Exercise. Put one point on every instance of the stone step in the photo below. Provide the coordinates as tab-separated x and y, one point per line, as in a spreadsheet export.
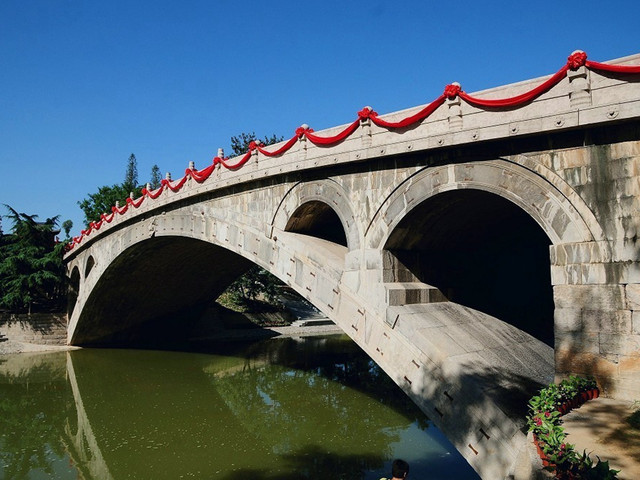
311	322
406	293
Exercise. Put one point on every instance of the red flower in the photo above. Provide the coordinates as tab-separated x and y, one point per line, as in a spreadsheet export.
547	414
538	421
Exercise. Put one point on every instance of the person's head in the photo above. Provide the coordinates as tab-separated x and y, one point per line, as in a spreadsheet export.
399	469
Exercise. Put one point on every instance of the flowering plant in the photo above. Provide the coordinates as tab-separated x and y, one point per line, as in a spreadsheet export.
544	421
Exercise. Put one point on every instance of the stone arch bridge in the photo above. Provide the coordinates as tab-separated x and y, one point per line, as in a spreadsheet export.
473	254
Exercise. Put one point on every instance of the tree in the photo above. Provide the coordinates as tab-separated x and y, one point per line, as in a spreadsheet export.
31	268
107	196
102	201
240	143
131	176
67	225
256	281
156	177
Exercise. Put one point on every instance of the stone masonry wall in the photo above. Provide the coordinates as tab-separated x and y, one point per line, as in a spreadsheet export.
597	284
39	328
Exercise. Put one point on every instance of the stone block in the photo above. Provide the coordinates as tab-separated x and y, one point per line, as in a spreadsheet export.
583	342
567	320
605	321
623	388
635	322
570	158
581	252
464	337
570	361
395	210
626	345
633	296
629	366
624	167
576	176
593	297
624	149
413	292
437	344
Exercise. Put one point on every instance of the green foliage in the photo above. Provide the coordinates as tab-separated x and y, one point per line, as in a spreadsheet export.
544	420
156	177
31	269
102	201
106	197
255	283
131	176
67	225
240	143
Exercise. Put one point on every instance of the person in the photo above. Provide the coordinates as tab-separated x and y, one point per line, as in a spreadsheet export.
399	470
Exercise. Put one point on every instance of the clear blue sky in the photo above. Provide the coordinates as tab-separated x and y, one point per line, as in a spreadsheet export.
83	84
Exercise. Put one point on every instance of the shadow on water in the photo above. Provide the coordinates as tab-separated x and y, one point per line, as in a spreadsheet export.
311	462
333	357
288	409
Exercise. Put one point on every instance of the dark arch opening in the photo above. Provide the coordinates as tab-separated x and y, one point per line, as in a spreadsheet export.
74	288
319	220
90	263
481	251
154	292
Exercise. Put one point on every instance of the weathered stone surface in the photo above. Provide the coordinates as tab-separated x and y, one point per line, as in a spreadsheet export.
633	296
635	322
594	297
40	328
574	173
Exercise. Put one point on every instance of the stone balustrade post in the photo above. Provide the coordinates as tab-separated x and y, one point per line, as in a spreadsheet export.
580	82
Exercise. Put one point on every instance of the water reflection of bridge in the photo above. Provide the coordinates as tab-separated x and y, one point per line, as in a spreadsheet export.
261	398
83	445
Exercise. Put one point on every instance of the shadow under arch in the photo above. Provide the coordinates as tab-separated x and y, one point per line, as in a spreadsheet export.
89	266
74	289
482	251
320	209
317	219
156	280
545	201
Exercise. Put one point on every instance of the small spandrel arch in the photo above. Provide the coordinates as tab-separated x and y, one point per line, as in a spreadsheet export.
74	289
317	219
90	263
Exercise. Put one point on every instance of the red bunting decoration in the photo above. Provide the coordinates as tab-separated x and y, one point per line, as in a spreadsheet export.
576	60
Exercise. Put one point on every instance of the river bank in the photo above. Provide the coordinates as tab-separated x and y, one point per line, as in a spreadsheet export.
311	327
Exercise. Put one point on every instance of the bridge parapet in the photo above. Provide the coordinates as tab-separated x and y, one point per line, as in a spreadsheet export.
574	98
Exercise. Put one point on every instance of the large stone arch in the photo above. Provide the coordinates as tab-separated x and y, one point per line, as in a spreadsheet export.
547	202
313	267
324	191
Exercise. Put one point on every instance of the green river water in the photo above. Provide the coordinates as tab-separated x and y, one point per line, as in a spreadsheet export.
281	409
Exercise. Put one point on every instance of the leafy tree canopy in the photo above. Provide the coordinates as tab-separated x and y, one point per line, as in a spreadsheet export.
256	282
106	197
67	225
31	269
131	176
240	143
156	177
102	201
